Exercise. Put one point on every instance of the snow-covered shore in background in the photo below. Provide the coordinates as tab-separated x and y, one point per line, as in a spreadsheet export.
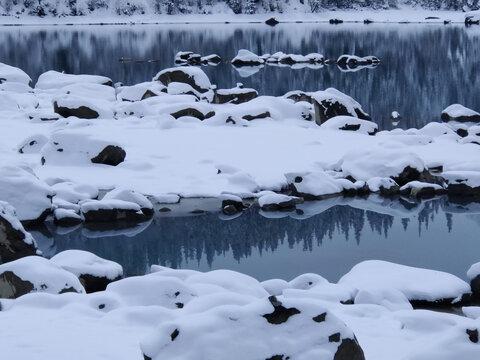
402	15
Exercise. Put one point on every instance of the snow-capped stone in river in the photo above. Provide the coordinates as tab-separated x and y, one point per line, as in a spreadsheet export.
270	201
420	285
457	112
93	272
350	123
15	242
463	183
352	62
421	190
247	58
314	185
131	196
110	210
35	274
473	275
140	91
273	328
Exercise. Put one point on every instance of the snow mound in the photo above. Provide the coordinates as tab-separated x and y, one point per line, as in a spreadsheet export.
52	80
10	74
413	283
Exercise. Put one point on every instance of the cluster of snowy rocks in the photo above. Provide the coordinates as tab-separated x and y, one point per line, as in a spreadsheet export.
84	149
346	63
377	310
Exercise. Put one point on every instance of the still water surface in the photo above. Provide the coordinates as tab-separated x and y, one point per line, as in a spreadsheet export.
424	68
325	237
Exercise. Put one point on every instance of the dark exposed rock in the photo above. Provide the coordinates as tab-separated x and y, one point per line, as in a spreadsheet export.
334	337
174	334
278	357
475	286
93	283
349	349
110	155
112	215
11	286
320	318
288	205
82	112
193	113
335	21
12	242
472	335
148	94
272	22
250	117
280	314
234	96
232	207
410	174
327	108
462	132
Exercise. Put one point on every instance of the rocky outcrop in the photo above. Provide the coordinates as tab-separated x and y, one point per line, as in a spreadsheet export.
15	242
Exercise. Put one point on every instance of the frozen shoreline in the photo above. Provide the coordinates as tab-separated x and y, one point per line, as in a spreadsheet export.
414	16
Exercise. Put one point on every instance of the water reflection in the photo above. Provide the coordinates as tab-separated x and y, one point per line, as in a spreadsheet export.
424	67
327	237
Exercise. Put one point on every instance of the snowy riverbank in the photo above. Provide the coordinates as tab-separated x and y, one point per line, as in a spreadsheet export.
404	15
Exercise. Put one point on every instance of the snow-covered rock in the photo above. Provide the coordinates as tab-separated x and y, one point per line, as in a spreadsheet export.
81	107
192	76
131	196
111	210
10	74
35	274
421	285
463	183
15	242
30	196
353	63
273	328
418	189
331	102
236	95
54	80
473	275
313	186
93	272
457	112
270	201
247	58
350	123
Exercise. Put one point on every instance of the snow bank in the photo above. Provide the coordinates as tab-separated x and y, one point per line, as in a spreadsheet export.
413	283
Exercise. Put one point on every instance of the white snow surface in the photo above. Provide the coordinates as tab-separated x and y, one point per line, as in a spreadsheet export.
221	317
80	262
473	271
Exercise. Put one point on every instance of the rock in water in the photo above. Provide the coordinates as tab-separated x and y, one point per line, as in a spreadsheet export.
272	22
457	112
15	242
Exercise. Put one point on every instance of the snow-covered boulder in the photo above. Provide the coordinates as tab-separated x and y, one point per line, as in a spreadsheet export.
35	274
190	58
384	185
141	91
131	196
30	196
457	112
463	184
472	18
53	80
231	204
247	58
350	123
15	242
268	328
94	272
473	275
313	185
416	284
331	102
82	107
14	75
236	95
192	76
67	217
111	210
421	190
270	201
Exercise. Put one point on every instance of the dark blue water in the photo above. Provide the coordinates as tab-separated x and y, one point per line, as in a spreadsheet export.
424	68
325	237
